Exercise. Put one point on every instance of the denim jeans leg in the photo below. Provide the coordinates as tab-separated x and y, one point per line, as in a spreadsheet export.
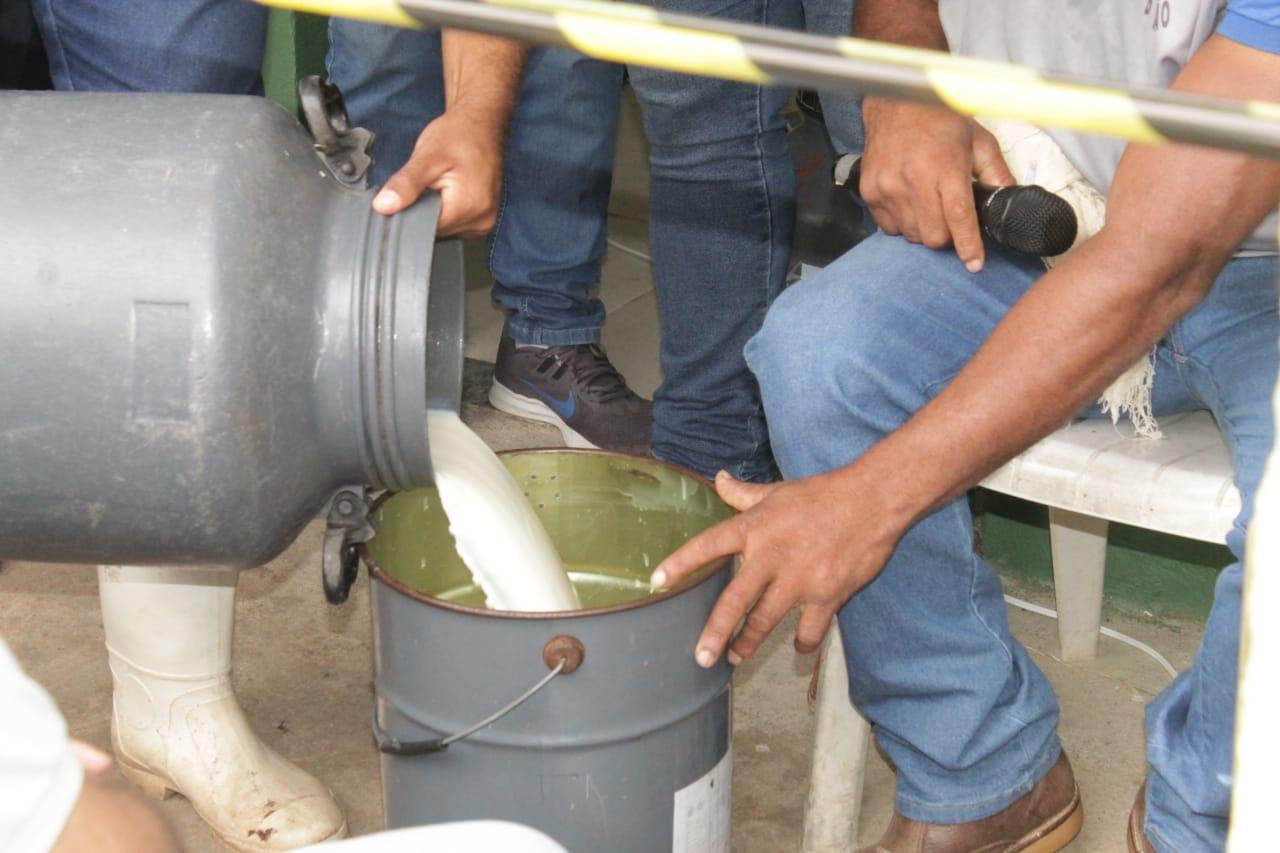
392	82
1226	352
211	46
841	111
546	251
845	357
721	212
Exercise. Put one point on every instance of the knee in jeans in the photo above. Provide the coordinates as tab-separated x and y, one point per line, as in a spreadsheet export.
831	314
815	338
686	115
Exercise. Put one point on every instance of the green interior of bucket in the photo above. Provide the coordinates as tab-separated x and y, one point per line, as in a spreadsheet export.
612	518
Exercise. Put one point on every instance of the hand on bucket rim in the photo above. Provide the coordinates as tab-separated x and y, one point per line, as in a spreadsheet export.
813	541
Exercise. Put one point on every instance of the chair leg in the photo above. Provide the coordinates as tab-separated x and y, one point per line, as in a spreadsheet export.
840	740
1079	546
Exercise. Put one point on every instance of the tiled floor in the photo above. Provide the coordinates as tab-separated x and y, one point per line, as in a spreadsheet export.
303	667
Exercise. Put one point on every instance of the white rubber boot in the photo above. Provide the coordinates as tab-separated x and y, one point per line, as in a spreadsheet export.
176	725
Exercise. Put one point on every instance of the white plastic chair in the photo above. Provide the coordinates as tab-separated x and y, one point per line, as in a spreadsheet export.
1089	474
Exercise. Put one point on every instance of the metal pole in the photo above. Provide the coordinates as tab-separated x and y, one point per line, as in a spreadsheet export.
624	32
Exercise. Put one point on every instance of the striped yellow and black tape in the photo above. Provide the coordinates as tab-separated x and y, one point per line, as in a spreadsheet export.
629	33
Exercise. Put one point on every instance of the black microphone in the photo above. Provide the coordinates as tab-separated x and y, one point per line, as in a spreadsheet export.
1026	219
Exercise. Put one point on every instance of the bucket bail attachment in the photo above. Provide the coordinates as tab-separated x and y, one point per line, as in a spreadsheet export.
562	654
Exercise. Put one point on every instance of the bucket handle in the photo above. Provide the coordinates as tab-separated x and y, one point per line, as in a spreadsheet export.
562	653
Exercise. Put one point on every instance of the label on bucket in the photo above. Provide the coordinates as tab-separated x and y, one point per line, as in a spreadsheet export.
701	817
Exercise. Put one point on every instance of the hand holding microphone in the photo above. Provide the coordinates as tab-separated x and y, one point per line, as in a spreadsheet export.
1026	219
918	172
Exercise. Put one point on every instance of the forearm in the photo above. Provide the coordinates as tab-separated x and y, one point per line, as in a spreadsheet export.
1176	214
914	23
481	73
1051	356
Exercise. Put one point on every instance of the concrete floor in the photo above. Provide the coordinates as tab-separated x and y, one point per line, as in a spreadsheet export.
303	668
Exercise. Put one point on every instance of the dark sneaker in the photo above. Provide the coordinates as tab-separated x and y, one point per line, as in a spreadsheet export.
575	388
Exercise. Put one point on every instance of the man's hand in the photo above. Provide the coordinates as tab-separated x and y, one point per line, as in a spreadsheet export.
813	542
919	161
917	170
459	155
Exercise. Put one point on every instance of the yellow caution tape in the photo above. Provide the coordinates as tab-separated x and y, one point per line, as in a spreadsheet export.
658	46
626	11
1264	109
917	57
1042	102
629	33
377	11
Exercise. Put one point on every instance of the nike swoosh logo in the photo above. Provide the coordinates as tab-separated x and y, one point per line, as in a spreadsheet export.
564	408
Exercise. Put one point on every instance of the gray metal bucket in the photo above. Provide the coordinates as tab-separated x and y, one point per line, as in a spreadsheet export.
627	747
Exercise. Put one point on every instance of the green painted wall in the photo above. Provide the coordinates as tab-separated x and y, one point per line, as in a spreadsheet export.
296	47
1146	572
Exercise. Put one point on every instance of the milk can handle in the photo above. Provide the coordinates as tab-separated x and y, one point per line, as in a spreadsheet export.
565	652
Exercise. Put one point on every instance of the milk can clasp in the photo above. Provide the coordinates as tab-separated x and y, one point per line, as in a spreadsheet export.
343	148
348	524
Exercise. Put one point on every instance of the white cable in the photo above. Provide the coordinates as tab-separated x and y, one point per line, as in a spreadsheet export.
1106	632
635	253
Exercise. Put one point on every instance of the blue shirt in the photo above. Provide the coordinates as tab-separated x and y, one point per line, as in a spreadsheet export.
1253	23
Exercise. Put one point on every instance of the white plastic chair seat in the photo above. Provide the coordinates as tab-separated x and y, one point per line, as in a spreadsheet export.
1181	484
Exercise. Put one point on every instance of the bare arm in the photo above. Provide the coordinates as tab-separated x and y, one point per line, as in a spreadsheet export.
914	23
481	72
1176	214
460	153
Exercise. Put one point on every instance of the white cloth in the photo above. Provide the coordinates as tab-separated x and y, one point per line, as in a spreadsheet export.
40	777
1124	41
1034	158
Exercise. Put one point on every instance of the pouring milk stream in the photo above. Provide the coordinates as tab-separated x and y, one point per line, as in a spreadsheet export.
497	533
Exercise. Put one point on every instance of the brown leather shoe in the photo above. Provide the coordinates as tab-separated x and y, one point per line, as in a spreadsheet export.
1042	821
1137	838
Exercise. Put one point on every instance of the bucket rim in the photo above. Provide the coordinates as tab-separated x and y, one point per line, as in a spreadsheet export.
692	581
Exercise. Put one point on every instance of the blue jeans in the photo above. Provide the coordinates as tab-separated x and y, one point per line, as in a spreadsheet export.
721	211
844	358
166	46
841	111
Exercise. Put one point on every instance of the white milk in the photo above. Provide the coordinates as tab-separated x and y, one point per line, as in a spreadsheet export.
497	533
